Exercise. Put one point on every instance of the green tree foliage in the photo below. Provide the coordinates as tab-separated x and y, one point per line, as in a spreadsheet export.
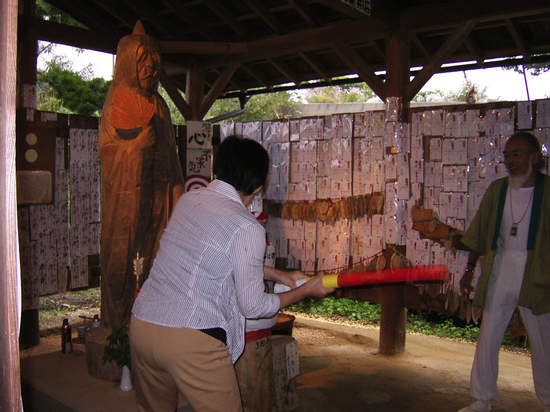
280	105
359	92
62	90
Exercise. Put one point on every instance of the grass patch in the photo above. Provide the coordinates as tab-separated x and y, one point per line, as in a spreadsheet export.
71	305
424	322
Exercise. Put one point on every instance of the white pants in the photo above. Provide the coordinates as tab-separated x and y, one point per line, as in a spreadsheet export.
502	298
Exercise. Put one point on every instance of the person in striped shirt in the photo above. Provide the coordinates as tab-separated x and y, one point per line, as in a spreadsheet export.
187	326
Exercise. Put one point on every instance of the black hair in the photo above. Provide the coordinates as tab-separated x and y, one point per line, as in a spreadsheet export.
241	162
534	144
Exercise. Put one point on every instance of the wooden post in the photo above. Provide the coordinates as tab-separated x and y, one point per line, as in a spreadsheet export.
393	316
194	91
26	60
398	69
392	320
10	287
26	98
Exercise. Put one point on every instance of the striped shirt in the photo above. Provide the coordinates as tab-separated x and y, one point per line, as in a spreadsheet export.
208	272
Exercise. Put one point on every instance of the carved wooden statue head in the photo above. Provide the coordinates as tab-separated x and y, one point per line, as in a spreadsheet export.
137	62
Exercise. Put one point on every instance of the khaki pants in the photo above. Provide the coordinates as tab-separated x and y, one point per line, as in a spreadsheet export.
167	360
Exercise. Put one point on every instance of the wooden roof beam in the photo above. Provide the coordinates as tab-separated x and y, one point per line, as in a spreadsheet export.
276	45
217	88
343	8
202	47
256	76
71	35
283	71
226	16
300	10
432	16
174	93
356	63
511	27
189	18
474	50
438	58
128	21
232	83
149	13
419	45
314	66
377	49
265	15
314	39
85	14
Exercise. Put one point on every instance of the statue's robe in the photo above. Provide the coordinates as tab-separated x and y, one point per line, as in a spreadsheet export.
141	176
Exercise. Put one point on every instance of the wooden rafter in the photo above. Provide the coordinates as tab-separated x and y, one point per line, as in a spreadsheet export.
124	18
343	8
172	90
259	78
201	33
217	88
310	39
512	29
438	58
314	66
86	14
300	10
356	63
377	49
279	45
429	17
149	14
226	16
265	14
419	45
70	35
189	18
284	71
202	47
474	50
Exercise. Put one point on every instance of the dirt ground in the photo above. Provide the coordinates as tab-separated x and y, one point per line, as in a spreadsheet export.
340	371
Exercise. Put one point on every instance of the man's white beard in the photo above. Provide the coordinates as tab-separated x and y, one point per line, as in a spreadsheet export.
516	182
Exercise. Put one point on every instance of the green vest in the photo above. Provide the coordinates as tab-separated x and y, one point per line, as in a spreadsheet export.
482	235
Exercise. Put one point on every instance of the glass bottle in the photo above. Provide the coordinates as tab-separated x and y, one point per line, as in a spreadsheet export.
66	337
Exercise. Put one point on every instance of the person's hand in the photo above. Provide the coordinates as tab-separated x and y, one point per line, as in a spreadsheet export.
466	286
289	278
316	288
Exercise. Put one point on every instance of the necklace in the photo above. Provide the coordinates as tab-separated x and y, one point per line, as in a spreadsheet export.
514	229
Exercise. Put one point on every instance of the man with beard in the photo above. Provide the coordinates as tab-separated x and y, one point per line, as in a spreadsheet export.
510	232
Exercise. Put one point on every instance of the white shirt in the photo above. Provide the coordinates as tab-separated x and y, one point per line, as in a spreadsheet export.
520	201
208	272
509	267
